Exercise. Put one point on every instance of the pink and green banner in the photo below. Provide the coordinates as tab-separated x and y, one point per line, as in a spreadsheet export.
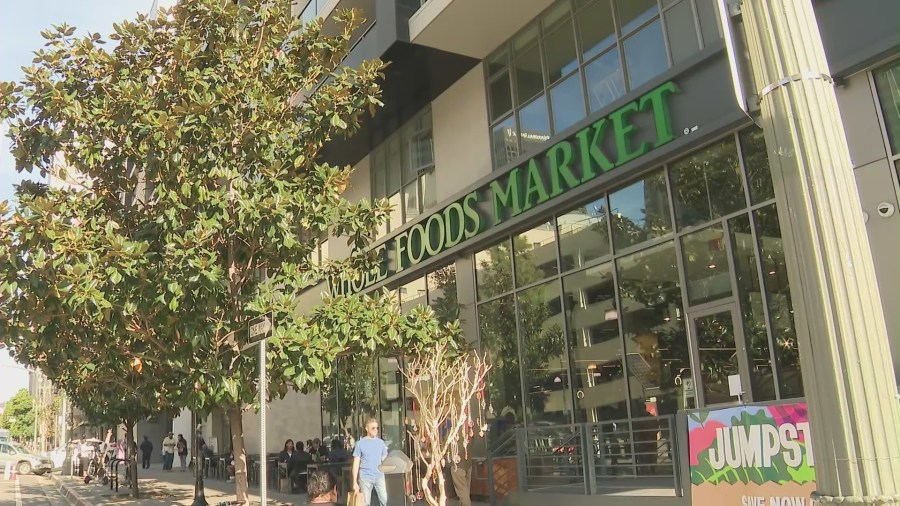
751	456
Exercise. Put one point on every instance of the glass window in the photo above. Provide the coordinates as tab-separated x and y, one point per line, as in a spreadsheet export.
640	211
412	294
505	141
557	14
887	83
493	271
717	353
583	234
708	12
633	13
501	95
364	386
645	54
596	29
567	102
750	296
706	265
534	121
547	389
497	322
778	299
394	164
756	162
442	293
535	254
379	173
595	344
604	79
707	184
428	182
559	50
655	339
681	32
497	62
529	77
421	152
411	207
393	428
395	218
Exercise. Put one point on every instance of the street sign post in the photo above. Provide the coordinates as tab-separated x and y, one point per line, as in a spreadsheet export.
259	329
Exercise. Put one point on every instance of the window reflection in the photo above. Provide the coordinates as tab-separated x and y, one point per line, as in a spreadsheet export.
497	321
604	80
505	141
633	13
534	121
567	103
544	354
756	162
412	294
442	293
640	211
535	254
493	271
391	390
655	339
595	344
707	184
583	234
706	265
717	355
778	298
645	54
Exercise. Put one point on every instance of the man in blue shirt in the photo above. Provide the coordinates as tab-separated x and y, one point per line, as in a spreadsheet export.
367	456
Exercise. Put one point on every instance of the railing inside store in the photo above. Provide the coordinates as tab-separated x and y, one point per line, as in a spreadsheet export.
632	456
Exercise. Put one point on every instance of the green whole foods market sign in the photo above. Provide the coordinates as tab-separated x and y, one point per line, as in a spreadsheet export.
604	145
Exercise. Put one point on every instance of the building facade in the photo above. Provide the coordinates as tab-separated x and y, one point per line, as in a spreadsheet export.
576	182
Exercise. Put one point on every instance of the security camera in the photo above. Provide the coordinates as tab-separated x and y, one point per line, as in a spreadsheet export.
885	209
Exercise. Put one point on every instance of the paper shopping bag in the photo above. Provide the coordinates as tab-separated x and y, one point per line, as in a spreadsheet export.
355	499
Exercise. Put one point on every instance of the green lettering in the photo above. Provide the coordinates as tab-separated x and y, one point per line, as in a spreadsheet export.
473	217
416	250
662	117
454	228
382	263
333	286
504	197
359	282
400	245
623	131
429	236
560	168
591	154
534	186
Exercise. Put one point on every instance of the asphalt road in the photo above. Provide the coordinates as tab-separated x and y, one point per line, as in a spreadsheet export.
30	490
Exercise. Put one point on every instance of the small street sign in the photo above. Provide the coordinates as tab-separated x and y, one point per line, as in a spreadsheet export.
260	328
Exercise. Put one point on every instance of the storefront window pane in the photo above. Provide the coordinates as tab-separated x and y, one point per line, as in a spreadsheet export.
706	265
505	141
750	296
534	121
331	422
640	211
535	254
428	184
529	78
547	388
395	217
391	385
498	61
778	299
887	82
604	80
756	161
633	13
497	322
442	293
595	28
493	271
645	54
707	184
412	294
559	50
364	385
501	95
595	344
567	102
394	164
655	339
411	201
717	354
708	12
583	234
681	32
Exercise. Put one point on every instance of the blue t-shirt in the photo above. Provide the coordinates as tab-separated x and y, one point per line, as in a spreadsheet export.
371	451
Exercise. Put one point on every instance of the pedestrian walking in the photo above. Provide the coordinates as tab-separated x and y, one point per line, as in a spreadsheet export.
182	448
461	474
168	445
146	452
368	454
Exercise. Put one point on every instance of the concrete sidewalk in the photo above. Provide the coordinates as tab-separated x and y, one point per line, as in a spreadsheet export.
159	488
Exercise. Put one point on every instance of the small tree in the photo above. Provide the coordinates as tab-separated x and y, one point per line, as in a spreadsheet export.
443	382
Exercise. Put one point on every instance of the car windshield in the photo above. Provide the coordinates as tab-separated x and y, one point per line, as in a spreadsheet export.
17	449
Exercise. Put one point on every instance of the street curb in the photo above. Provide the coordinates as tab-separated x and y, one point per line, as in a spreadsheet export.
74	498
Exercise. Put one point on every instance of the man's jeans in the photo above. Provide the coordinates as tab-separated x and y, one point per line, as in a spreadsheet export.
366	485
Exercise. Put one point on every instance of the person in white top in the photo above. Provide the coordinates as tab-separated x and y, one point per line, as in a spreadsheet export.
168	445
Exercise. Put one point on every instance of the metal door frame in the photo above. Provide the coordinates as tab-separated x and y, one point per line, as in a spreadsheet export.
731	305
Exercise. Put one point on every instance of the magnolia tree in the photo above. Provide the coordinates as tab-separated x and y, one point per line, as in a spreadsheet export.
203	196
443	383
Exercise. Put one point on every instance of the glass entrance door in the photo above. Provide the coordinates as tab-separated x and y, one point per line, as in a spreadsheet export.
719	351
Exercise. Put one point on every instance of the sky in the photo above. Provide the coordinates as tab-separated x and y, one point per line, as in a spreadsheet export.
21	23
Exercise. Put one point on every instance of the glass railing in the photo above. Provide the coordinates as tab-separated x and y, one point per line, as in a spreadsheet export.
312	10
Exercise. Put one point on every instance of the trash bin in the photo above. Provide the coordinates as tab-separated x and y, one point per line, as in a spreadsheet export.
397	469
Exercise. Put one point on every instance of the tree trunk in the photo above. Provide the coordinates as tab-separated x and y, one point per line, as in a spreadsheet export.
240	453
131	457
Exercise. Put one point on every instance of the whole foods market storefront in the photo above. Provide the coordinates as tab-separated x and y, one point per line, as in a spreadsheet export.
621	273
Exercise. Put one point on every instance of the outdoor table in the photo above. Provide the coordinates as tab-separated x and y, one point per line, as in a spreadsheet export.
221	471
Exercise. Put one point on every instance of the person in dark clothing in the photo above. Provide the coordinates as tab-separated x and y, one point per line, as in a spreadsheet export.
338	453
146	452
322	488
302	459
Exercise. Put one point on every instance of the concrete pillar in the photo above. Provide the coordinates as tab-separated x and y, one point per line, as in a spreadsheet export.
847	371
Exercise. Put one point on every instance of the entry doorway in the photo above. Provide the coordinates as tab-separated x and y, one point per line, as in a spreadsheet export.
719	351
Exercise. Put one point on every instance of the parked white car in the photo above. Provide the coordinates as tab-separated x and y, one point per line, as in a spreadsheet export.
23	461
